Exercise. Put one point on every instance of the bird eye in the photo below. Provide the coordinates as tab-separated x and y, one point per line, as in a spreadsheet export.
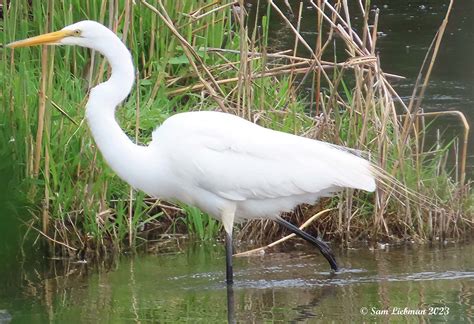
77	32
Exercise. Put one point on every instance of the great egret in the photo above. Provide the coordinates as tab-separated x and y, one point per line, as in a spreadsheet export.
227	166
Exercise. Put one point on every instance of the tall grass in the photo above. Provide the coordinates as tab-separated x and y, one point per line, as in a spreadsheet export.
80	201
195	55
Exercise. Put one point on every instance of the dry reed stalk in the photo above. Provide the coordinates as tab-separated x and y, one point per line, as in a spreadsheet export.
316	81
191	55
463	154
41	111
300	38
42	135
416	98
366	39
351	62
193	14
243	109
279	70
30	226
207	13
47	141
295	46
199	86
126	20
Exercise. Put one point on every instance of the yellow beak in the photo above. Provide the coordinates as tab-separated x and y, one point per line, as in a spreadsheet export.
46	39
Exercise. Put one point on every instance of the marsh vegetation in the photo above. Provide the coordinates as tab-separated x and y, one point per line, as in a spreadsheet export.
195	55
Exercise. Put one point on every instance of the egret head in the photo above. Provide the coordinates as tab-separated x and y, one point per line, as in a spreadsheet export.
86	33
91	34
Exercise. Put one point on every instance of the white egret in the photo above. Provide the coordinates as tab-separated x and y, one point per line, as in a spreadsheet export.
229	167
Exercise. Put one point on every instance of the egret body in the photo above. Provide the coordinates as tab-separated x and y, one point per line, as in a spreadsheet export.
228	167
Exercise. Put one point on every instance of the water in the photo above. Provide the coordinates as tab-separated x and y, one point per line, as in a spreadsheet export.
406	29
291	286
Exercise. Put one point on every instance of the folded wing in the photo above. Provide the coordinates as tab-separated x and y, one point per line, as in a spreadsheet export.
239	161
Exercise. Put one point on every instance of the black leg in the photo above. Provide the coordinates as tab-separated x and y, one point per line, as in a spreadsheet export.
228	259
323	247
230	305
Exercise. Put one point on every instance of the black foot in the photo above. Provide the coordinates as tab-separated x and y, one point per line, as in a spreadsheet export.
322	246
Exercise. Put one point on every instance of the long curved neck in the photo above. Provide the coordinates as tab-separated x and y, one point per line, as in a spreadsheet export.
122	155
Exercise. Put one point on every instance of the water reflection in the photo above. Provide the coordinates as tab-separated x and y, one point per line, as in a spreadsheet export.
303	312
230	304
189	286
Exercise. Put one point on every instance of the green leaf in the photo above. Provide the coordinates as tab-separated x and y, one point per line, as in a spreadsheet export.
182	59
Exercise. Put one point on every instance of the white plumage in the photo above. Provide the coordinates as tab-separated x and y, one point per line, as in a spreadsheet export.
227	166
256	171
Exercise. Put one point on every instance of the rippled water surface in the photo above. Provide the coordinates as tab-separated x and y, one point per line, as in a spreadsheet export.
293	286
